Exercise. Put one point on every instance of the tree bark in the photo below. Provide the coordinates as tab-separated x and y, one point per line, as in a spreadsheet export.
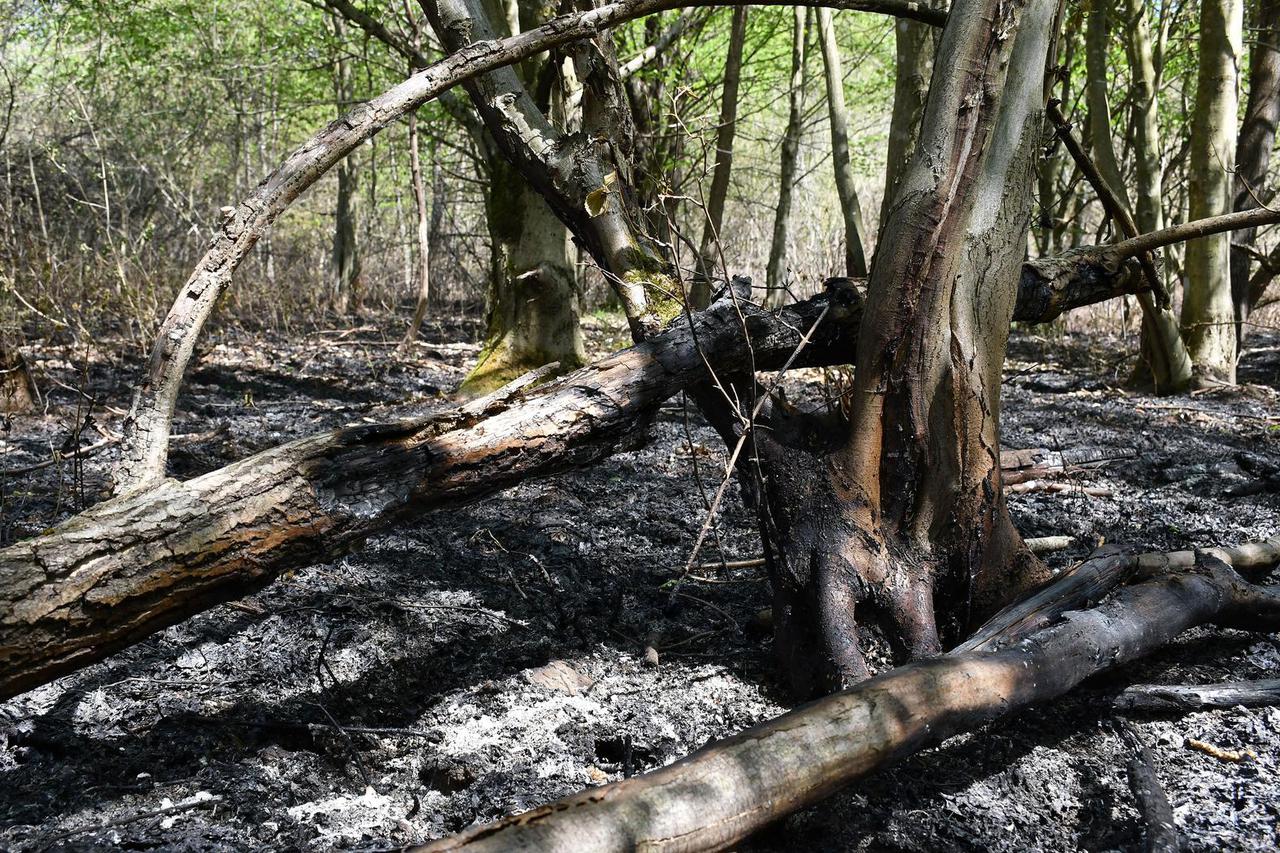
1254	144
532	310
1165	363
532	315
1180	699
796	760
17	388
777	271
721	171
902	513
850	208
424	214
1208	316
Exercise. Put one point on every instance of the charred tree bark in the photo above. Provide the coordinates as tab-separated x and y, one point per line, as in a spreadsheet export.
850	208
1254	144
776	277
138	563
800	758
130	566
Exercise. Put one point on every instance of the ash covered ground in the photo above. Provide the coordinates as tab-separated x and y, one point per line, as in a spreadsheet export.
484	660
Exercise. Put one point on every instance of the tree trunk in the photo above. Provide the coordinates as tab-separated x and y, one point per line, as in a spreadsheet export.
850	209
17	388
532	307
777	274
1164	362
424	218
346	253
145	446
1097	63
902	513
798	759
532	315
721	172
913	66
1254	144
1208	316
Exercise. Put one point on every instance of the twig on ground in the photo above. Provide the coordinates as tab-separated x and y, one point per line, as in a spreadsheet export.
200	801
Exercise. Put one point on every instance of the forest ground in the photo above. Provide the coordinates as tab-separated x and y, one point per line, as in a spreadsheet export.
484	660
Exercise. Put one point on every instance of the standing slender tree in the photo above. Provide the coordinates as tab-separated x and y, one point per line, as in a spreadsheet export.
532	310
777	270
1165	363
899	512
850	208
345	268
726	127
1208	316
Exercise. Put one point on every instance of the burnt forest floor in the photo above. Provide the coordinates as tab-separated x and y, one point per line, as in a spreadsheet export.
484	660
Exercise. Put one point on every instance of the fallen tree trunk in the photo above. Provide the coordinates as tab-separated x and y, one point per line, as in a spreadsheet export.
130	566
1168	698
725	791
141	562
